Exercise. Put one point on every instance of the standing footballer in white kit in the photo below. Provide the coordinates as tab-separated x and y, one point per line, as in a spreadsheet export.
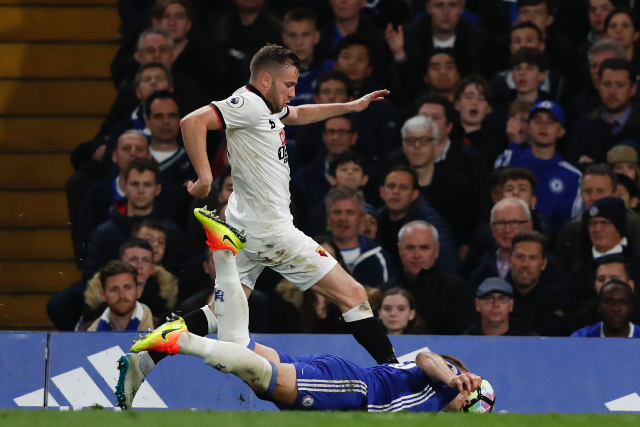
253	119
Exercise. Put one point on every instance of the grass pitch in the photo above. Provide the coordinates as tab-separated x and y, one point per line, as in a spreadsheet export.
101	418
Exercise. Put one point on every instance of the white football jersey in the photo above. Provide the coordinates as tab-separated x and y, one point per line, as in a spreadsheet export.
259	163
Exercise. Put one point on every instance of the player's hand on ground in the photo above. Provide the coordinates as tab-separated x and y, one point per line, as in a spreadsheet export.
465	383
198	189
362	103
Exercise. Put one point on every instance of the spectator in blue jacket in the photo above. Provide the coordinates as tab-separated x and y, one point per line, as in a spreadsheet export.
558	192
364	258
616	308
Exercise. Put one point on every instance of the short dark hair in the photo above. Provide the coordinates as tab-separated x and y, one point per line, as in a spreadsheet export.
619	11
355	40
530	236
513	174
334	75
344	158
525	3
615	282
115	268
300	14
351	118
480	82
403	168
449	110
154	65
619	64
149	222
616	259
135	242
442	51
601	170
159	94
273	55
529	25
455	362
629	184
161	5
529	55
226	171
142	164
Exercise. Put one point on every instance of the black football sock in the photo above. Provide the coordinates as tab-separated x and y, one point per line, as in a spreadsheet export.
197	324
369	334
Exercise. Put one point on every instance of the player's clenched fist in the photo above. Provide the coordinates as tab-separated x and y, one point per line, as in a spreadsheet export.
198	189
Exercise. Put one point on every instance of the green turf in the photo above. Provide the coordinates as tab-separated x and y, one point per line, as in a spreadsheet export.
104	418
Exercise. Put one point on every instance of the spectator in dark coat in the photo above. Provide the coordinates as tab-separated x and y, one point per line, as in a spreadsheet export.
404	204
442	299
141	188
615	121
363	257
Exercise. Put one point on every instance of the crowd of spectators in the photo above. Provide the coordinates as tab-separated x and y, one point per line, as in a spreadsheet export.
494	192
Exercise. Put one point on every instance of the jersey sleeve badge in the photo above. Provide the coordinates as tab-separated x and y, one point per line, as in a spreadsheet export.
235	101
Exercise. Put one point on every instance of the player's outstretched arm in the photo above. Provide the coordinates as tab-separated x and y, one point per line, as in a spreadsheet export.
194	133
437	369
311	113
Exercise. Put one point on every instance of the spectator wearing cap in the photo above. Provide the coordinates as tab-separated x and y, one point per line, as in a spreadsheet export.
607	231
369	227
442	300
616	308
537	302
494	303
558	192
614	121
623	159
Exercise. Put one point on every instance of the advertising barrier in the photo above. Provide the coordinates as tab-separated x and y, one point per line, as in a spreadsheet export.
529	374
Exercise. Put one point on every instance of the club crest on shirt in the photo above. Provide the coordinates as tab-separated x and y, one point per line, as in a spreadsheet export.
307	401
282	136
235	101
322	252
556	185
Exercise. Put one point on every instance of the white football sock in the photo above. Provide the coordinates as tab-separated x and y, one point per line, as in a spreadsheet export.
231	358
230	301
212	320
359	312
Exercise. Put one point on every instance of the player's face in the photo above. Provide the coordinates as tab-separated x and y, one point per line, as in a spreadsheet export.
345	9
598	11
442	73
151	80
436	113
369	227
418	251
525	37
456	405
594	188
283	88
616	90
538	15
301	37
445	13
141	188
338	136
130	147
142	260
157	239
398	192
419	147
616	307
527	77
626	168
508	219
520	189
121	294
609	272
350	175
473	106
494	307
527	262
603	234
227	189
545	129
354	62
396	313
621	29
174	21
344	219
332	91
155	48
594	65
164	120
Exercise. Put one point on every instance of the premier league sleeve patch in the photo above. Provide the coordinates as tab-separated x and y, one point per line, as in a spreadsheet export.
235	101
